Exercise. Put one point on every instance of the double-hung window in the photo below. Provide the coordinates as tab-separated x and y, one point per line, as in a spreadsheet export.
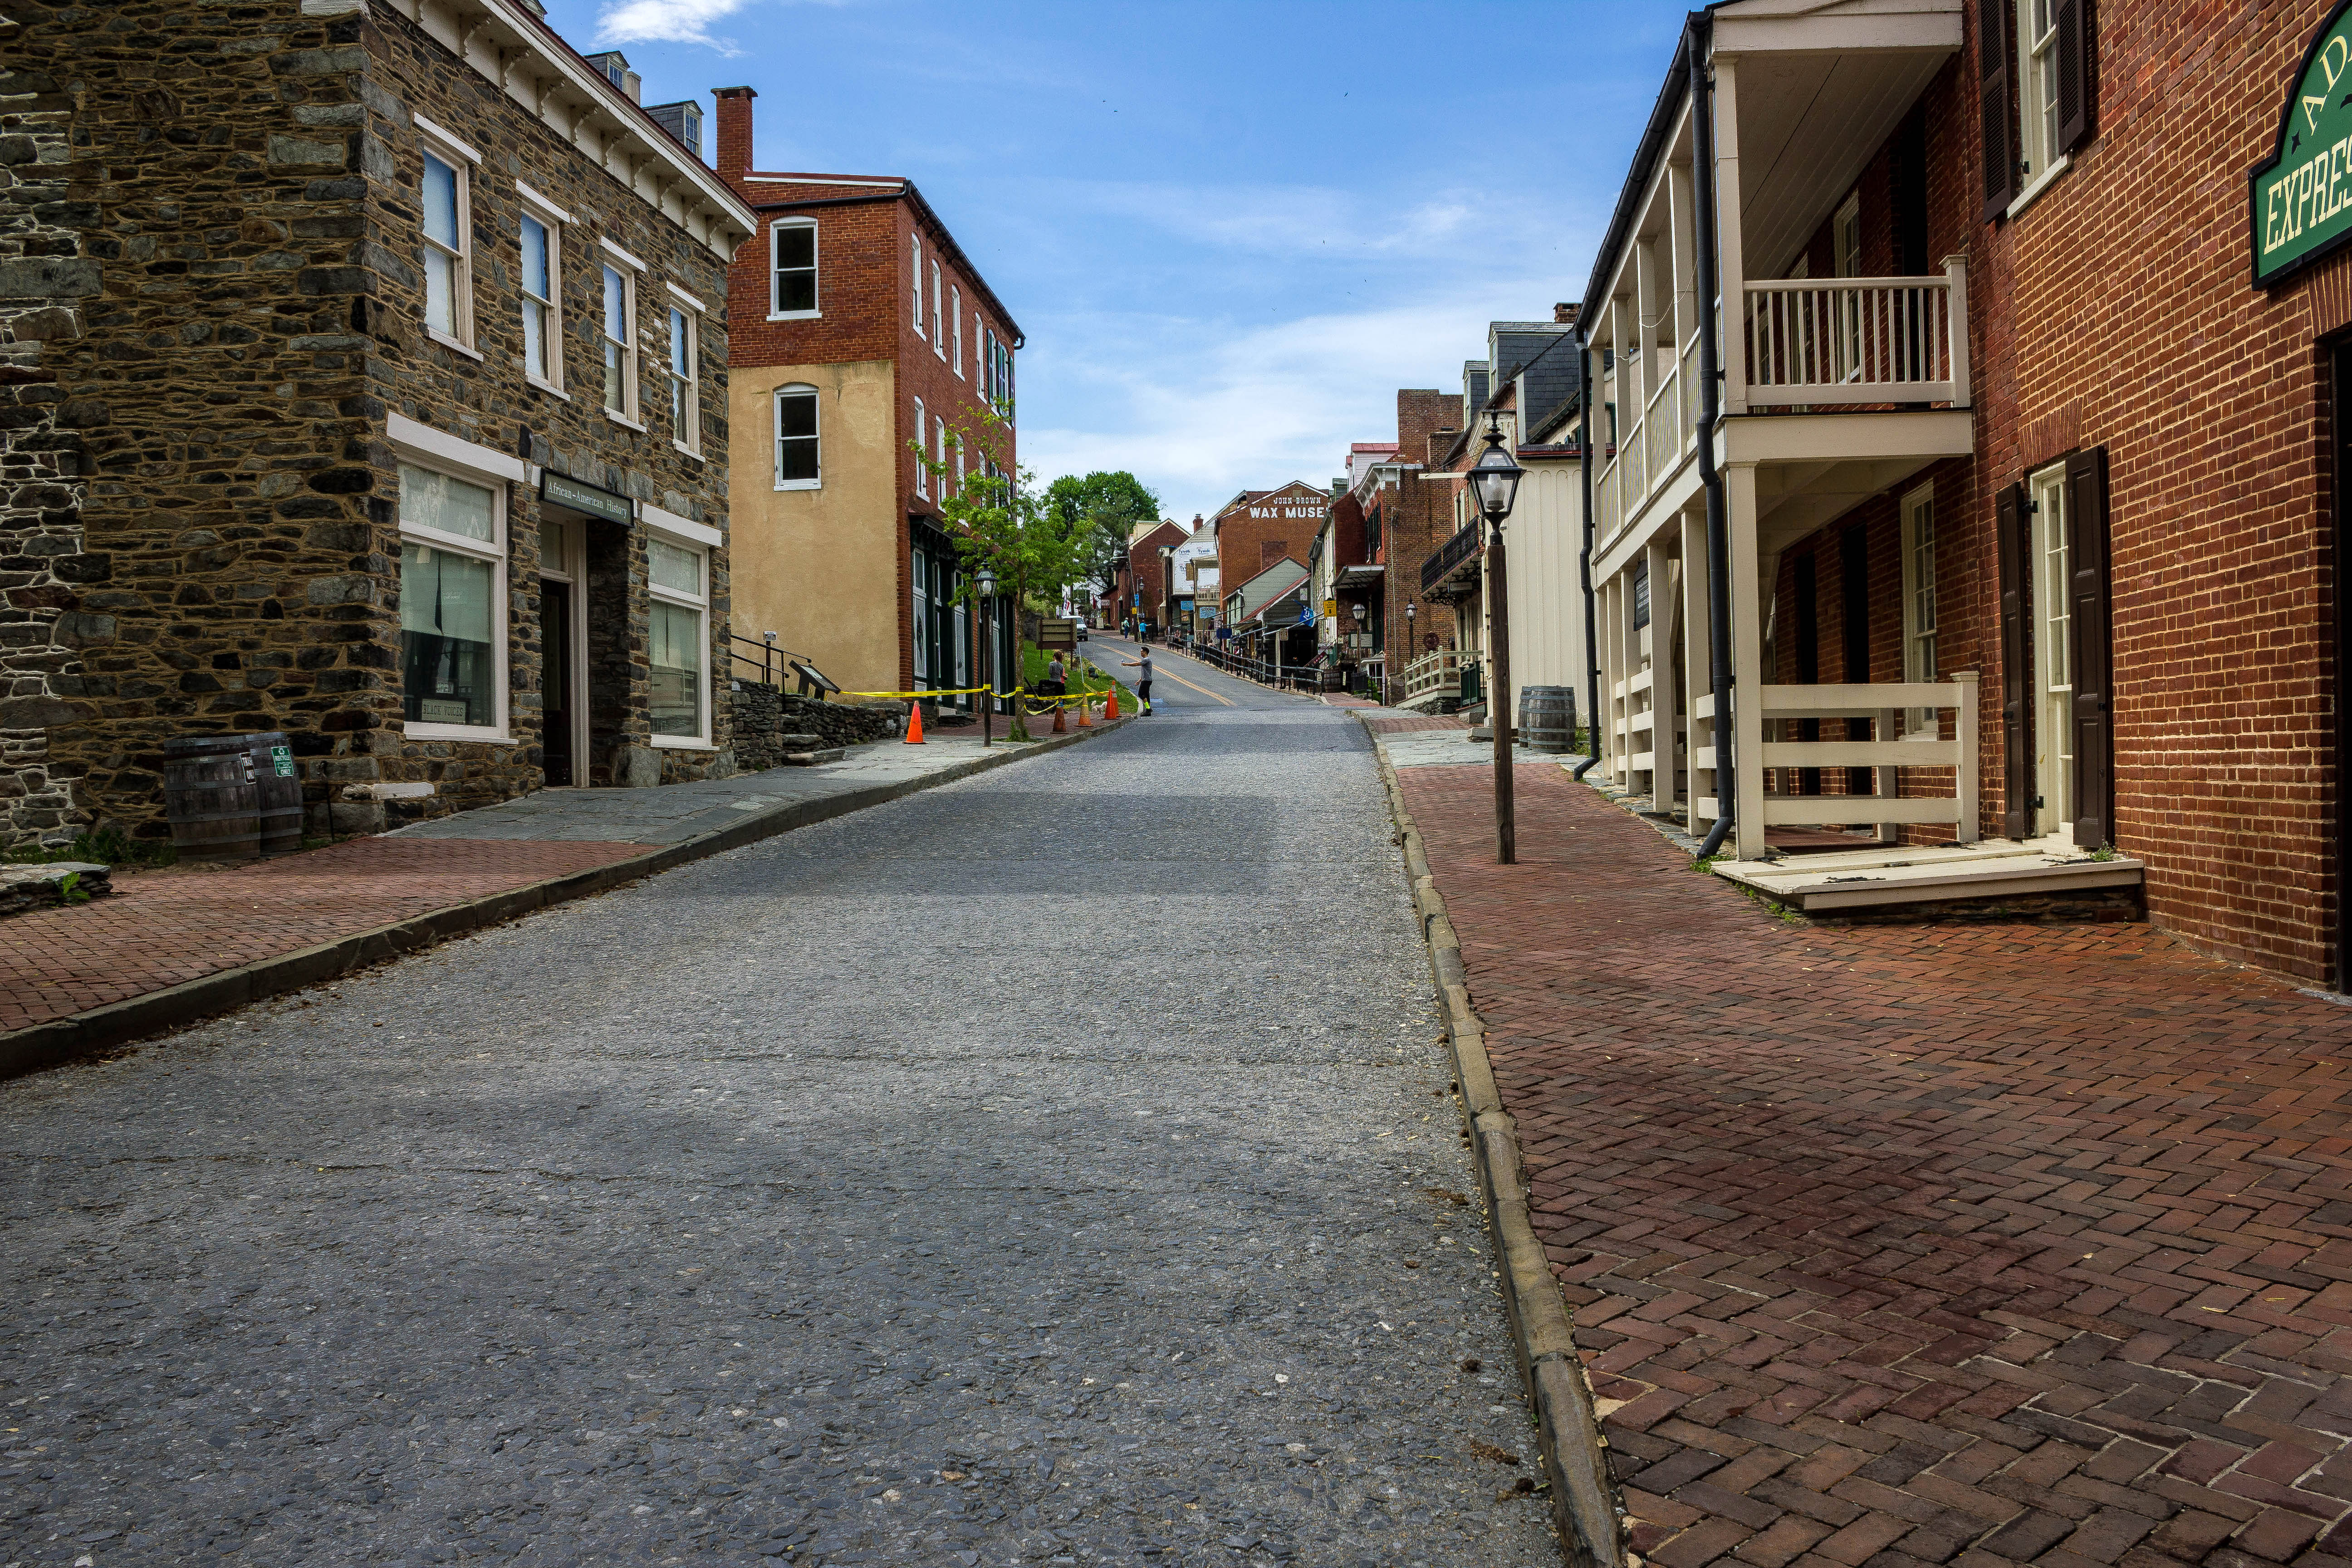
793	289
1919	603
452	605
541	238
678	641
959	451
799	456
685	371
445	199
618	330
955	314
917	240
939	337
922	449
2037	81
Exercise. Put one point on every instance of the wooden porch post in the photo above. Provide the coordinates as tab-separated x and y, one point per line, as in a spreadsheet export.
1698	666
1746	660
1731	275
1665	705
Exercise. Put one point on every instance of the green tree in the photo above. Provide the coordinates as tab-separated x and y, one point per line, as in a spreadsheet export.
1001	522
1103	507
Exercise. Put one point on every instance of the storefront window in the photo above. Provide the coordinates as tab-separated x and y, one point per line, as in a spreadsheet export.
675	640
450	575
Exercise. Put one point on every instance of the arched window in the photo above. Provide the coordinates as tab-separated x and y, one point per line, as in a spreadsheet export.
798	464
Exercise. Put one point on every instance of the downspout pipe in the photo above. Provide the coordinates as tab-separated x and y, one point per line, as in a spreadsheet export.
1710	413
1590	455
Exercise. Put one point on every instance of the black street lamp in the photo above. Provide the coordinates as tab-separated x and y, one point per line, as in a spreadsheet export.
987	662
1494	486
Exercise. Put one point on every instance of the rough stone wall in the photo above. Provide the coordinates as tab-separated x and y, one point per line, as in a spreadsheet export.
763	715
219	265
43	283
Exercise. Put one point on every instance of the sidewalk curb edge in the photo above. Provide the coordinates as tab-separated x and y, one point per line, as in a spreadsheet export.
1583	1500
60	1040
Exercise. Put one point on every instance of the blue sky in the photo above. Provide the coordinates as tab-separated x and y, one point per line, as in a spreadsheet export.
1229	231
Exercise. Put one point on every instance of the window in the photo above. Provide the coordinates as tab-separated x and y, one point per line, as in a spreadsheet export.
619	331
677	614
923	474
1845	244
955	312
2053	604
686	374
449	304
922	613
938	338
2037	86
794	244
543	329
798	462
1919	603
917	242
959	452
452	598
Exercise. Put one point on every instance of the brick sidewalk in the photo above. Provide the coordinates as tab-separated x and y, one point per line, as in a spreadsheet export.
165	927
1895	1245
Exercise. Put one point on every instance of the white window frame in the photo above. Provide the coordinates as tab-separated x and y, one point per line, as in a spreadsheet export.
918	241
627	268
2051	603
922	446
424	448
2037	98
776	311
955	314
776	420
1920	617
461	161
552	221
700	603
939	332
958	455
686	392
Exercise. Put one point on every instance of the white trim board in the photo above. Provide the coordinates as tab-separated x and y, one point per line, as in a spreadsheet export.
402	431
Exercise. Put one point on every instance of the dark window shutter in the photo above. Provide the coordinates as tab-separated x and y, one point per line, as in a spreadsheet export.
1996	62
2077	75
2016	670
2091	656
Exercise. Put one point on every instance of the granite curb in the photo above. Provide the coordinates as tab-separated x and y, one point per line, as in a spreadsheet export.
1583	1500
60	1040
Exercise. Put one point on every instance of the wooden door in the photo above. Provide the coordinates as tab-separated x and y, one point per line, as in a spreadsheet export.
558	665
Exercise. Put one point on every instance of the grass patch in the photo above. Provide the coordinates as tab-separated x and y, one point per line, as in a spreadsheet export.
107	846
1082	671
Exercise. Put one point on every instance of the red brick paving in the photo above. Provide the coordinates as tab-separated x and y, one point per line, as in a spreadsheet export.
162	928
1397	723
1977	1245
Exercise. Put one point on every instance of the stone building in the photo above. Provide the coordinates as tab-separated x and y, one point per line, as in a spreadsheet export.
363	380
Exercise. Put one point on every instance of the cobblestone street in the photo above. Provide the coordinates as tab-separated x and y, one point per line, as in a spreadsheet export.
1054	1167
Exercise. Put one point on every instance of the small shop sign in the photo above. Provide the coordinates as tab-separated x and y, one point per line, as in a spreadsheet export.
563	491
2301	199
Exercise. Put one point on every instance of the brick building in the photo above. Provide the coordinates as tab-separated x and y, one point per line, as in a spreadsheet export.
2031	445
1146	573
1258	527
354	390
1405	521
866	336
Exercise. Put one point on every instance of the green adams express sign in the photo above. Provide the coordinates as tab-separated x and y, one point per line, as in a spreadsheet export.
2302	199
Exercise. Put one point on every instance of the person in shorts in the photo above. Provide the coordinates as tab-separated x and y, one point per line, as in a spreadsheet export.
1143	682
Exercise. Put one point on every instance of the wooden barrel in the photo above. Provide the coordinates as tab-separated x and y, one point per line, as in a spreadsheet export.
1547	717
210	798
279	791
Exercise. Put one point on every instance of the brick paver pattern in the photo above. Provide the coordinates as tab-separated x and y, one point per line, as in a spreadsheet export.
161	929
1982	1245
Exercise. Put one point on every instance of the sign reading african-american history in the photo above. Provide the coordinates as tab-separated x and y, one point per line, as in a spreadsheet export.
2301	198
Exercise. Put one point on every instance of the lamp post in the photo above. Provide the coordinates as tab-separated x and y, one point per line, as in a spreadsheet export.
987	660
1495	485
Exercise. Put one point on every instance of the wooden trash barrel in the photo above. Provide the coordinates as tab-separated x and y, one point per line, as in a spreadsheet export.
1547	717
210	798
279	791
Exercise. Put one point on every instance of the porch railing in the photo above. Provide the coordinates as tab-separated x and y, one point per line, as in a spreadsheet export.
1813	341
1452	553
1649	454
1441	670
1892	707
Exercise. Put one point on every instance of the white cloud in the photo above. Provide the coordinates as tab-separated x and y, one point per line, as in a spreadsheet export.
672	22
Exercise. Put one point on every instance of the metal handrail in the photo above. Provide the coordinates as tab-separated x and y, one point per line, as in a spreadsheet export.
771	660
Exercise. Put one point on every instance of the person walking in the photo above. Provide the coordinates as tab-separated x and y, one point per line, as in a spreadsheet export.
1143	682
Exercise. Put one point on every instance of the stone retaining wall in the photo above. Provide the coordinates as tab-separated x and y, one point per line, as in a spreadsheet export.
763	714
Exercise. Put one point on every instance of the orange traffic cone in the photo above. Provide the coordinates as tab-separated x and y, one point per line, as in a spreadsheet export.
1085	702
1110	703
914	723
1060	706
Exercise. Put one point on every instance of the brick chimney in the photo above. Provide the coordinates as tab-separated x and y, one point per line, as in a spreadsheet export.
732	156
1565	315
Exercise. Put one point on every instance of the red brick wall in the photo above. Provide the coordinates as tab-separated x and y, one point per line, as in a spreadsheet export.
1249	542
1416	518
1145	576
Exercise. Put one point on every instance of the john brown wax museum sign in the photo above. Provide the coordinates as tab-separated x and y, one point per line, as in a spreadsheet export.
2301	198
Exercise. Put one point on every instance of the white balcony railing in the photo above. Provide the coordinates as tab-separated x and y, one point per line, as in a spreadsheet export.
1648	453
1813	341
1892	707
1436	671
